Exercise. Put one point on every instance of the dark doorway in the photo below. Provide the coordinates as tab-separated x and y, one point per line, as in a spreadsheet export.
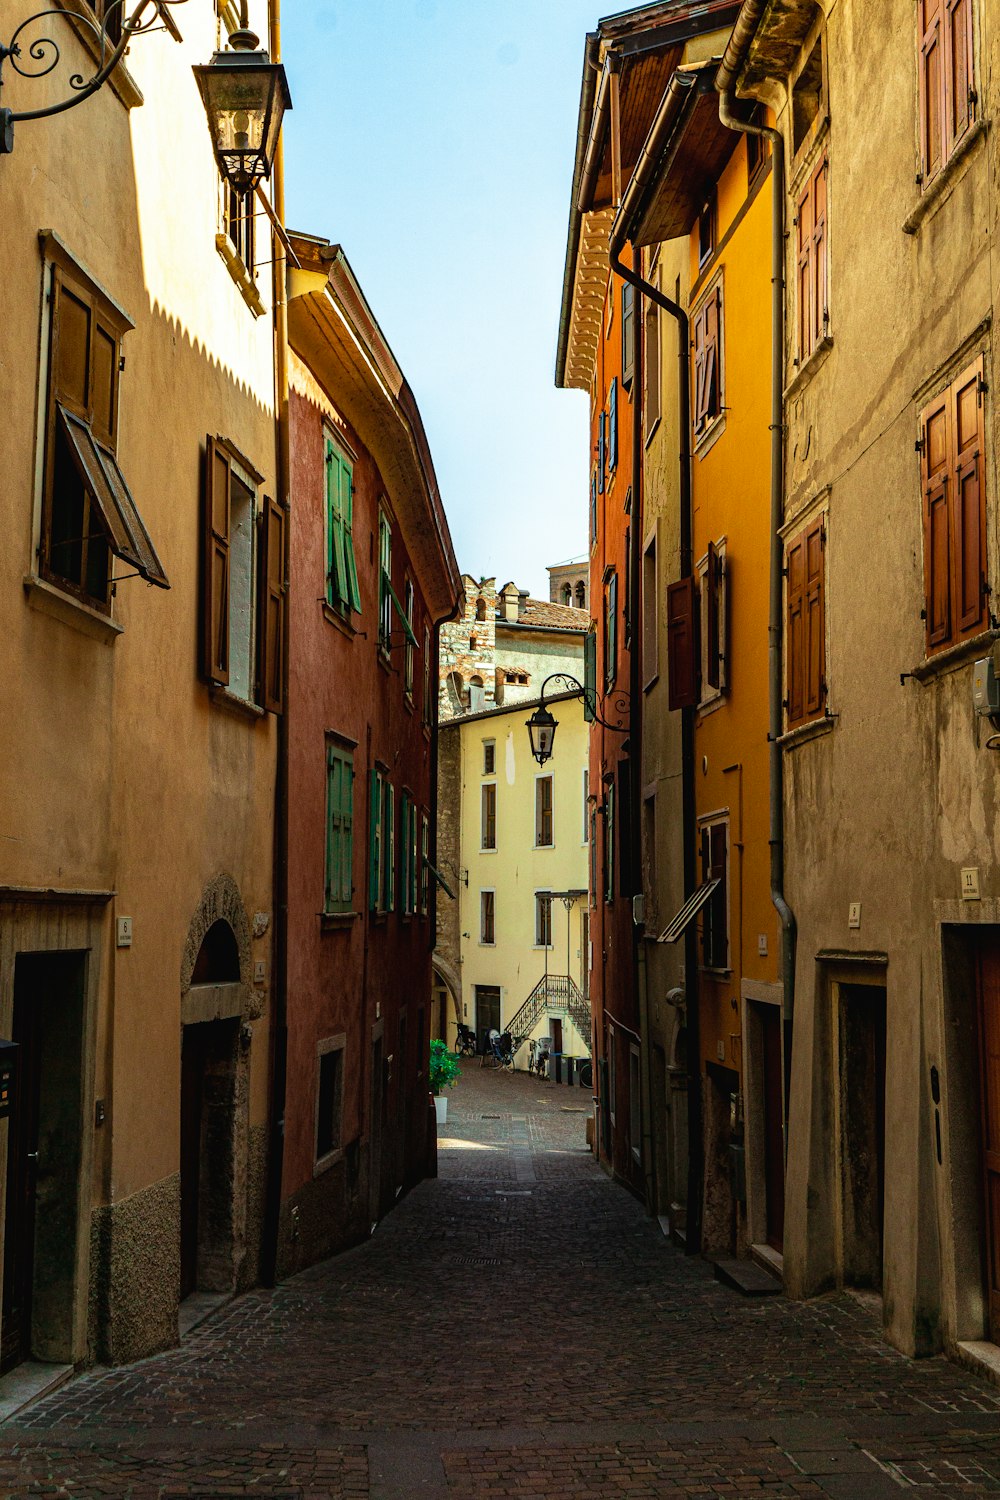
862	1130
555	1026
43	1159
988	989
774	1137
375	1132
208	1110
487	1009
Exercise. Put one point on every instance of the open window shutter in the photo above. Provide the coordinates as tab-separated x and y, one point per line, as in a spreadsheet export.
700	324
805	246
332	826
936	449
374	840
719	955
713	382
272	609
682	663
347	513
589	676
969	510
814	623
336	567
713	650
215	566
931	85
819	267
628	333
613	425
795	632
958	19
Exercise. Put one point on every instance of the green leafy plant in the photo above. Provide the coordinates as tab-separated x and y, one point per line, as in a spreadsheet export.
445	1070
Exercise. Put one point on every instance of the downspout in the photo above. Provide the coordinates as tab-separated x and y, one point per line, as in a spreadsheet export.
725	82
695	1142
279	977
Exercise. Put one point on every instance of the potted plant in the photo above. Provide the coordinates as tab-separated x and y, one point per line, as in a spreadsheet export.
444	1074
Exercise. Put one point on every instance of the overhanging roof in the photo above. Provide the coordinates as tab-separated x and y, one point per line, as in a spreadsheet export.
334	332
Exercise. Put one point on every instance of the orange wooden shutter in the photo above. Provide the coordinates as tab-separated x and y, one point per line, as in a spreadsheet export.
931	85
968	506
815	643
805	231
713	645
936	448
818	279
271	618
795	632
215	564
958	53
682	657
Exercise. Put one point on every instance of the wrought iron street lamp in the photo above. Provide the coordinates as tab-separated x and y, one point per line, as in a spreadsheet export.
44	54
245	96
542	726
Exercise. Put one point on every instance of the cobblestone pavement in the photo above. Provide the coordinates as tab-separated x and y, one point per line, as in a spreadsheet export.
517	1328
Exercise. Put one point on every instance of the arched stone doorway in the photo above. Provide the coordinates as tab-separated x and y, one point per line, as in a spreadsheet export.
446	1001
218	1003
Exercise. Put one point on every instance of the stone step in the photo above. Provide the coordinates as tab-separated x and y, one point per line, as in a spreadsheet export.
747	1277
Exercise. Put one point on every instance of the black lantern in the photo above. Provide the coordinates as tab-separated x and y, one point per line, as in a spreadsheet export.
245	96
542	732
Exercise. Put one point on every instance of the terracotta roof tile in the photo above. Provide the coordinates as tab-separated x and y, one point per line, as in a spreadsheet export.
555	616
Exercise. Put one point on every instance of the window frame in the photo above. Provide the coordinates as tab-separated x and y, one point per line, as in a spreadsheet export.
543	918
338	903
610	627
806	689
812	280
488	817
543	812
650	655
488	746
385	582
609	839
487	916
343	593
329	1047
708	407
409	649
942	486
628	335
713	592
716	916
950	132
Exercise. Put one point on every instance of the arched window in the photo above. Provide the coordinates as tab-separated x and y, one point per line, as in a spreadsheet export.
567	593
581	595
218	960
477	694
480	609
455	686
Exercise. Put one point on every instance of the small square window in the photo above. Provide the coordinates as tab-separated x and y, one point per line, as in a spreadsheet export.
706	233
329	1100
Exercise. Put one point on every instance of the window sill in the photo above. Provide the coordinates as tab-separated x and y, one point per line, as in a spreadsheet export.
122	83
805	372
240	274
342	622
953	657
703	445
337	921
234	703
50	600
938	190
802	733
711	705
326	1162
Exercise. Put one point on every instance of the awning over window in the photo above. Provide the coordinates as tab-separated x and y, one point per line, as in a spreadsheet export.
99	471
687	913
440	879
401	612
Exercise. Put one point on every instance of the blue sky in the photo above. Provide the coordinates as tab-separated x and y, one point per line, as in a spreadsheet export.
434	140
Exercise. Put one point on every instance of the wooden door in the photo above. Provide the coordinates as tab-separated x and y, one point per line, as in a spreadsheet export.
487	1010
22	1166
988	985
555	1026
774	1138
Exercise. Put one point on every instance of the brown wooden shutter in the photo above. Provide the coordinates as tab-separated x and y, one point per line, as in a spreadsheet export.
700	324
818	281
932	74
215	565
805	233
72	335
958	73
272	609
814	621
968	506
713	646
936	448
682	655
795	632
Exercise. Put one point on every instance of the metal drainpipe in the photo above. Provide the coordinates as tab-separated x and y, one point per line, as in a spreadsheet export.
279	1011
696	1156
776	833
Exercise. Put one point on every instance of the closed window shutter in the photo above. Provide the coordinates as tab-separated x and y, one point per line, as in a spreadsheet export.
375	840
601	451
805	280
682	667
613	425
936	450
215	568
626	884
346	830
589	676
272	609
593	508
960	105
716	914
332	828
795	632
932	74
628	333
389	853
713	648
819	259
969	521
814	623
347	513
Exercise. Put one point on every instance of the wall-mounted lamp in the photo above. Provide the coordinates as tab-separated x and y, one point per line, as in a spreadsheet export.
542	726
245	96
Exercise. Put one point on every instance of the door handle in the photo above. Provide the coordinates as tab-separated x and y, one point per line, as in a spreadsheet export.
32	1155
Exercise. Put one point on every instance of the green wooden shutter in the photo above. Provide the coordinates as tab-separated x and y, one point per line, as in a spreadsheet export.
589	676
336	565
375	841
404	818
332	827
347	514
347	831
389	853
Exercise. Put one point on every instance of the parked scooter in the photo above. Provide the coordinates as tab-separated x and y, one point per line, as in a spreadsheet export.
465	1041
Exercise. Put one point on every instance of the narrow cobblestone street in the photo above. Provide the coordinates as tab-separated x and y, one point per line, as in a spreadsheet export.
517	1328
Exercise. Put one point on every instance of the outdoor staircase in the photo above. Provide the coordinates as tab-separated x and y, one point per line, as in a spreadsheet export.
552	992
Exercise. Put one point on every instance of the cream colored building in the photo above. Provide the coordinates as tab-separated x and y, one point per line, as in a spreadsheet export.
138	744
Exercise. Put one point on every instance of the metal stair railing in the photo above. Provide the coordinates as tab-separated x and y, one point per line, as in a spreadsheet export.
556	992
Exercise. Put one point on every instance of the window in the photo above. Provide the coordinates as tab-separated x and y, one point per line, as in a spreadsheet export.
488	827
613	426
425	864
682	660
590	675
477	695
339	827
543	919
708	362
609	841
812	262
652	366
489	757
650	886
954	511
385	581
410	652
567	593
758	147
487	917
715	913
592	840
628	334
706	233
543	812
610	629
609	306
238	221
382	844
235	576
586	805
947	79
806	627
612	1084
480	609
428	713
581	595
712	573
602	450
593	507
88	513
109	14
650	663
329	1099
409	853
807	95
342	591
